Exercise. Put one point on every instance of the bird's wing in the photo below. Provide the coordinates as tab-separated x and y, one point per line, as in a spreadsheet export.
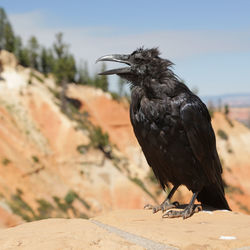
197	125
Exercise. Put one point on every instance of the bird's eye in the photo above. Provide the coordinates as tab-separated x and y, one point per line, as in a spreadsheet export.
138	58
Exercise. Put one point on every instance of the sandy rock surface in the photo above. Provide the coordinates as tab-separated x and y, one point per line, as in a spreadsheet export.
58	234
133	229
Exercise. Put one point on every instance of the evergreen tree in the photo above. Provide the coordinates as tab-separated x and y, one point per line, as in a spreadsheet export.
7	37
83	74
60	48
102	81
18	47
22	54
65	68
33	48
47	61
43	61
70	68
3	20
226	109
24	58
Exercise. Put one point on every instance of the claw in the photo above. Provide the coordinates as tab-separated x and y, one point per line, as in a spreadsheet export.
163	207
154	208
185	213
172	214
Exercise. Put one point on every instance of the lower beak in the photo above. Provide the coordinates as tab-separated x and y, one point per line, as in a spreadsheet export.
115	58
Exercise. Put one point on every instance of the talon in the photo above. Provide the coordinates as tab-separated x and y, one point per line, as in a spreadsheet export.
197	208
171	214
163	207
184	213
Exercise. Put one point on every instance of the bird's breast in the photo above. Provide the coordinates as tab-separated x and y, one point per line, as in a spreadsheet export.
154	121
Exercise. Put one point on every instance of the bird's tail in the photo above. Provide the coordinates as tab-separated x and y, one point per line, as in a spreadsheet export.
213	196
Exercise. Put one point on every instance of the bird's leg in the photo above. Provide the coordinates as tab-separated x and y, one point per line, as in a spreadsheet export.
166	204
189	210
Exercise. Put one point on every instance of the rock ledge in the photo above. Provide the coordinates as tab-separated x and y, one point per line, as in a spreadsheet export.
132	229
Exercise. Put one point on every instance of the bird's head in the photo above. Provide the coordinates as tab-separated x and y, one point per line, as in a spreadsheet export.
142	64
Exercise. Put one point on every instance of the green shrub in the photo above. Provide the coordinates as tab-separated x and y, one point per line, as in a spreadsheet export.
6	161
222	134
70	197
82	149
20	207
55	93
115	96
60	204
44	209
98	138
35	158
37	77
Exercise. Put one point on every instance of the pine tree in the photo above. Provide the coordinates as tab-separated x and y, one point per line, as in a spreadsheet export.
65	68
47	61
7	37
226	109
3	20
70	68
60	48
33	48
102	81
24	58
18	47
83	74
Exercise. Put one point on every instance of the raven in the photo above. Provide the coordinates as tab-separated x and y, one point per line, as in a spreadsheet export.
173	128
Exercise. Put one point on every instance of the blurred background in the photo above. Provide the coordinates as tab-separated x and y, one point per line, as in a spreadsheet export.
67	148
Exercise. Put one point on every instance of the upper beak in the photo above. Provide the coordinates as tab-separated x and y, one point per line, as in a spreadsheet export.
116	58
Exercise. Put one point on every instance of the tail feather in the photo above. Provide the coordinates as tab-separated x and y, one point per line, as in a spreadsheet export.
213	196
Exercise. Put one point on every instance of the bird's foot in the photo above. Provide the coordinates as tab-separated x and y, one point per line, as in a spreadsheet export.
163	207
184	213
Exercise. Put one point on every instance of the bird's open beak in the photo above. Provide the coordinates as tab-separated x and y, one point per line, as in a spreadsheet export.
116	58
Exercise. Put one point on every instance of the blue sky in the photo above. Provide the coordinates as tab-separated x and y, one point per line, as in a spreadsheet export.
209	41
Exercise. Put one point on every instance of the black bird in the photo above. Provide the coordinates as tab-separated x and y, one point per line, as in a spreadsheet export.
173	128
